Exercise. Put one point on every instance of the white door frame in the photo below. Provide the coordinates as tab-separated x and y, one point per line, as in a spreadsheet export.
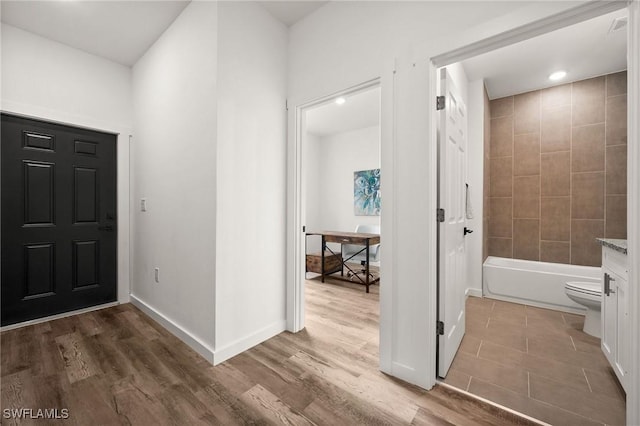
296	205
579	14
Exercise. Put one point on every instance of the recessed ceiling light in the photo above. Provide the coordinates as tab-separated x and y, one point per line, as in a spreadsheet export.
340	100
558	75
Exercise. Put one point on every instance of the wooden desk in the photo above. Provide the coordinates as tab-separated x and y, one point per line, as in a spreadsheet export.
355	238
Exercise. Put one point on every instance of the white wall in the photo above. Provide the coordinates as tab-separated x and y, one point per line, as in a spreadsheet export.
174	157
347	43
331	161
251	189
51	81
475	177
330	194
313	175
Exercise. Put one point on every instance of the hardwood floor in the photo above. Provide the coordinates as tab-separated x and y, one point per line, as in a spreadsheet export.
117	366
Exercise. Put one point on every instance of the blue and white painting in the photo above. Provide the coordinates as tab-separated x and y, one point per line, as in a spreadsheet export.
366	192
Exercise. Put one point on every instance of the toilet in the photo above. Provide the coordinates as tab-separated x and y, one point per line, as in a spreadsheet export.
589	295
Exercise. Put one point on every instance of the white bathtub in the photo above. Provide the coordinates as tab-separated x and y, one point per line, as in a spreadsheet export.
532	283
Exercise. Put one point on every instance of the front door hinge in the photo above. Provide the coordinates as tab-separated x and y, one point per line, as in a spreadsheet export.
440	328
439	103
440	215
286	104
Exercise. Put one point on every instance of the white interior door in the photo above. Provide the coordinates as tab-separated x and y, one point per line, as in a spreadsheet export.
452	257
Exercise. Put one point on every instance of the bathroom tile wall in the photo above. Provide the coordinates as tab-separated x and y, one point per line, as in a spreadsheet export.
557	165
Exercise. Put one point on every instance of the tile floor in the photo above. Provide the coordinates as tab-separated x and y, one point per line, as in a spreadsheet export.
538	362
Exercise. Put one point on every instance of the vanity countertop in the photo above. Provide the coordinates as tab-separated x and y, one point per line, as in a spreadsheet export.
614	243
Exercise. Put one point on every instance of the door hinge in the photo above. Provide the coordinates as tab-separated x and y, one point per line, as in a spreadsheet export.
440	215
304	229
286	104
439	103
440	328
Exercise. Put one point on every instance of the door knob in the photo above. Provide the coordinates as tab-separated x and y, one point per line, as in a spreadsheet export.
467	230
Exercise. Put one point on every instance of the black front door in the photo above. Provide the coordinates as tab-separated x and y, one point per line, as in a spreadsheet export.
58	218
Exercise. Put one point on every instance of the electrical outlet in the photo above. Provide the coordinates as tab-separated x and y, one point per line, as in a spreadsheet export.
156	272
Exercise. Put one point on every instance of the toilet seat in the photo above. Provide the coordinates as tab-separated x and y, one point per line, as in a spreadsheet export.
587	288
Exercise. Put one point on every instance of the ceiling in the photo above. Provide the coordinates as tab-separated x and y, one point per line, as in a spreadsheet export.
117	30
120	31
290	12
583	50
113	30
360	110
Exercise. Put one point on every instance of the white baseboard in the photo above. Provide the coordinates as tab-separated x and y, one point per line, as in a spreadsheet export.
58	316
476	292
176	329
213	356
241	345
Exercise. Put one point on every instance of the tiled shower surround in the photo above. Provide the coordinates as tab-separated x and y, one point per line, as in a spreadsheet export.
557	171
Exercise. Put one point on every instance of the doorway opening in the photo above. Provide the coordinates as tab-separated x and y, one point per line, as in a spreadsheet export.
341	207
548	159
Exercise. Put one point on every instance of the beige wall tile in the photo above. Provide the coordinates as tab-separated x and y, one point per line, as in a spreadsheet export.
500	181
616	217
526	113
556	96
555	173
588	101
555	218
526	151
501	247
556	129
617	120
526	197
587	148
617	83
554	161
501	144
555	252
501	107
585	250
617	170
526	239
501	215
587	195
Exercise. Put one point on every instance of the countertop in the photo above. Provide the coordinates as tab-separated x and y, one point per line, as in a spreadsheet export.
614	243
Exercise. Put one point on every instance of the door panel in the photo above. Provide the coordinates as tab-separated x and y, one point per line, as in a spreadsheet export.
58	218
86	195
38	193
452	253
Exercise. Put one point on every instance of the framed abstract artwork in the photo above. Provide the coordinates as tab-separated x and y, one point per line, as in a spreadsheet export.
366	192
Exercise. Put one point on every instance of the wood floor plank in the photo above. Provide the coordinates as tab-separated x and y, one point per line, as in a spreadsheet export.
267	404
142	327
117	366
77	363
